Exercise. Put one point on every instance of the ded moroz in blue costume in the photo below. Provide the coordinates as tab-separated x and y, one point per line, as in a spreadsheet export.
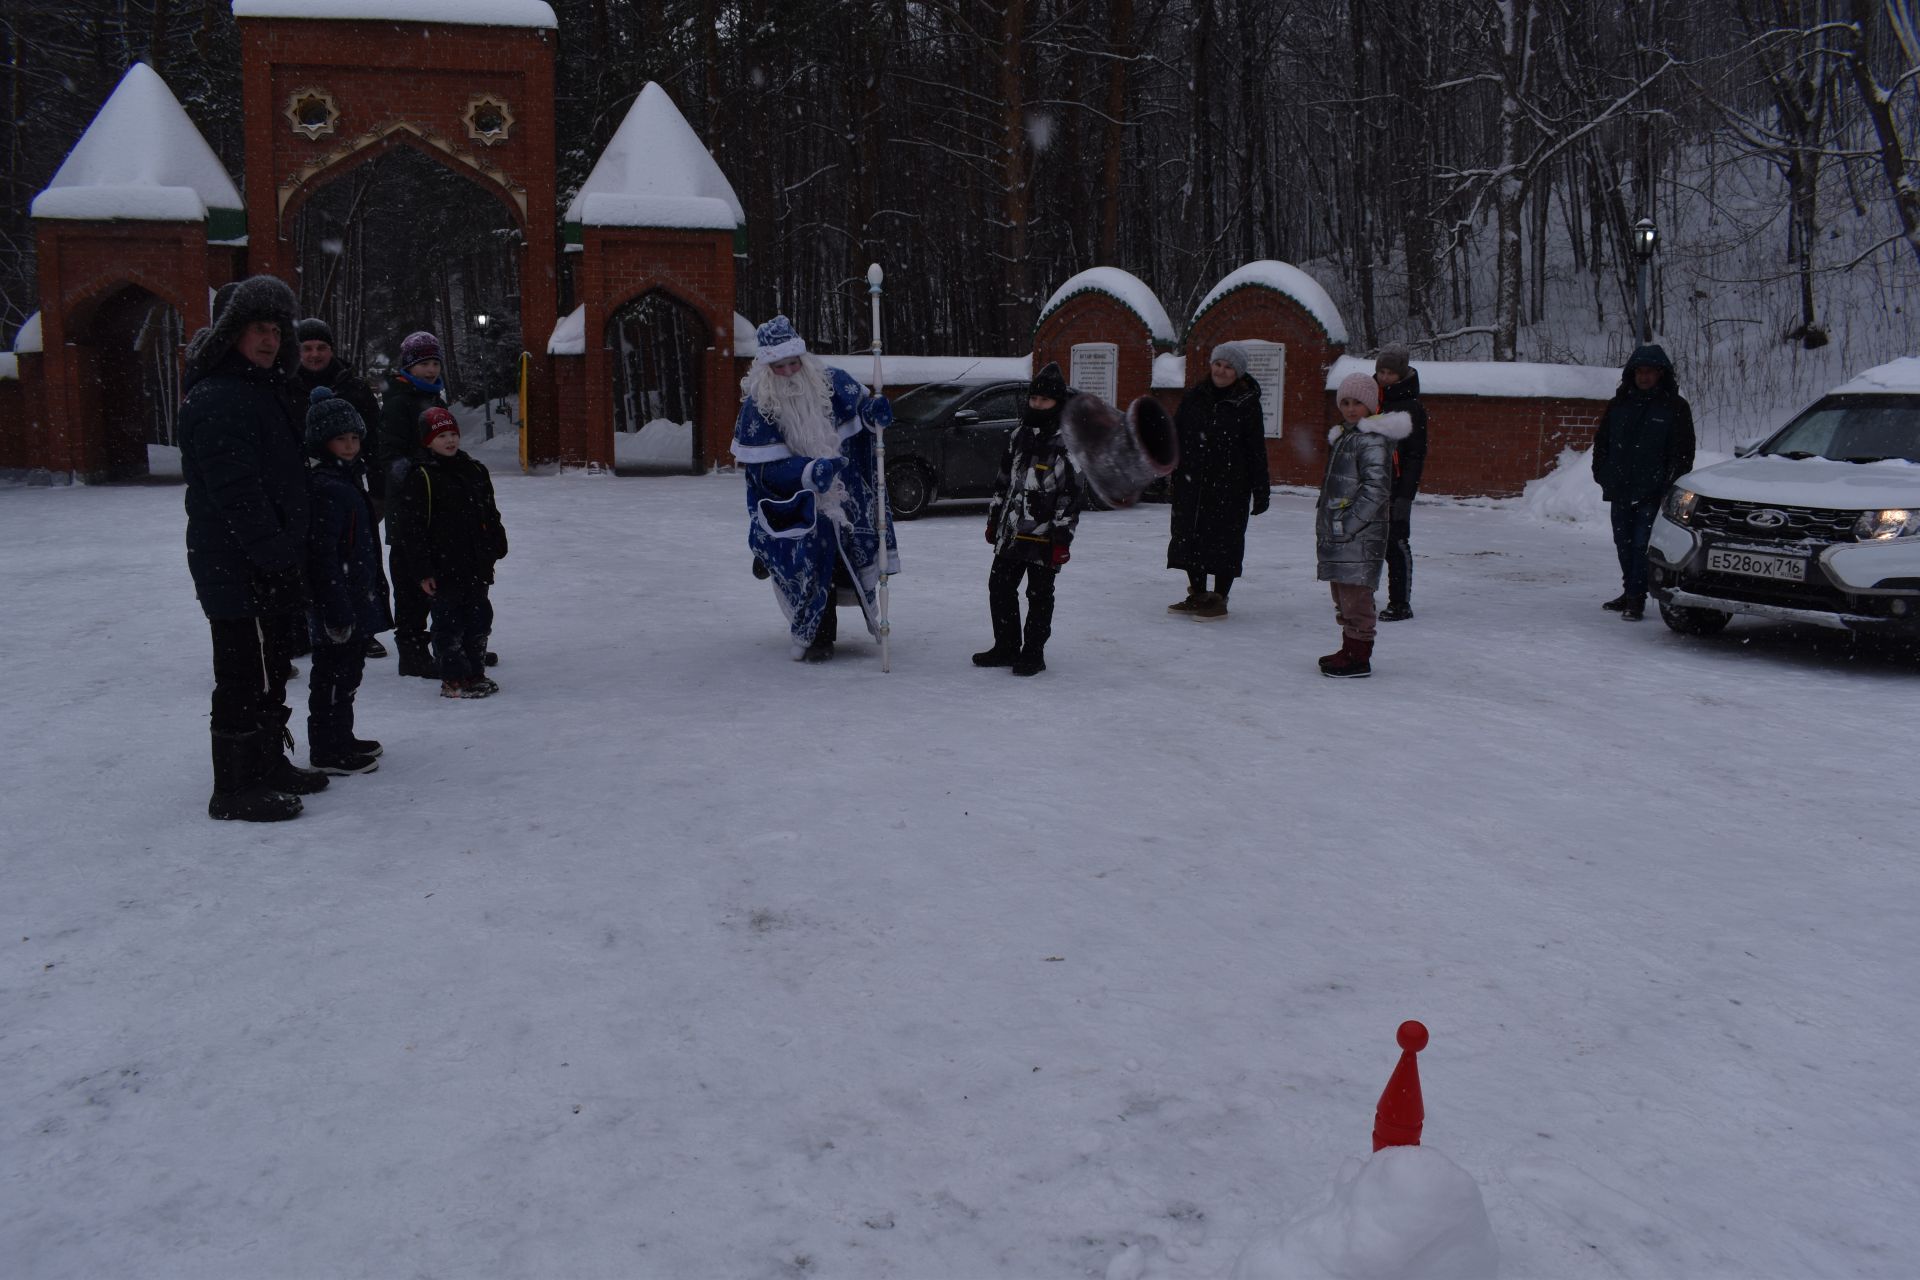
805	441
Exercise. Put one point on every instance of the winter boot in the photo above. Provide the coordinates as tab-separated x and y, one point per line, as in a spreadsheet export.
491	659
365	747
344	761
278	772
1399	581
1634	609
1353	662
416	657
468	689
1618	604
1191	603
238	795
374	648
1031	662
996	657
818	651
1212	607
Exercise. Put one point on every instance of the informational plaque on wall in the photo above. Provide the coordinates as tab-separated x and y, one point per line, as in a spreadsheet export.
1096	370
1267	366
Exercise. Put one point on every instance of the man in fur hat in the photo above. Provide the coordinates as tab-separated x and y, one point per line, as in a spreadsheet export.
242	459
804	438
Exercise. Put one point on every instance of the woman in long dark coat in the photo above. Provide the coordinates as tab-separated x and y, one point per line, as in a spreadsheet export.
1222	478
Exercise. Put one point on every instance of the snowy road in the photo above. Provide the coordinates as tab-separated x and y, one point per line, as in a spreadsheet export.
617	975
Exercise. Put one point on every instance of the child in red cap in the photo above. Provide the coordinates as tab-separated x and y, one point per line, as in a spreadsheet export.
447	537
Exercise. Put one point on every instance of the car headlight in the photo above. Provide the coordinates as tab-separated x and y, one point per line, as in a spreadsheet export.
1679	505
1880	526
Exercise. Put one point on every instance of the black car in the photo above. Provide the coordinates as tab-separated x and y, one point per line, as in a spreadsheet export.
947	440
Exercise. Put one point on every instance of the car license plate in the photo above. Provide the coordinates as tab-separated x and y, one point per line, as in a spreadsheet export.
1746	563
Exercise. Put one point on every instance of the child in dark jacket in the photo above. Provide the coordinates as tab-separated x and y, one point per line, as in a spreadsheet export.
343	573
448	533
1030	526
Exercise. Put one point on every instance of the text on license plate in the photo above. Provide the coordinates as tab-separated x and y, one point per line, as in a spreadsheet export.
1785	568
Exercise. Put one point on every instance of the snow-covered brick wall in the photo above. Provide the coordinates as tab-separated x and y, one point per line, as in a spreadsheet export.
612	209
474	13
1519	380
121	201
1129	289
1285	278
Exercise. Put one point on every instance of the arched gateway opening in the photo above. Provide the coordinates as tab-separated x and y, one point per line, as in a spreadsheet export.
401	242
126	347
657	348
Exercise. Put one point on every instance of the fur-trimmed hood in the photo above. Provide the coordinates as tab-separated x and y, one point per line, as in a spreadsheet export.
1395	426
236	306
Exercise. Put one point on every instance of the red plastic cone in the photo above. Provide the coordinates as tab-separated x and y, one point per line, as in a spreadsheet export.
1398	1118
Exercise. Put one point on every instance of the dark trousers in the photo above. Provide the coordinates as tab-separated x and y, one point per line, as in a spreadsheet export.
1400	553
331	686
1197	583
250	657
462	621
410	607
1632	526
1003	603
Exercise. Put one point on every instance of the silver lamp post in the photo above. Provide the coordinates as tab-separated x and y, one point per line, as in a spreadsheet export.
1645	237
480	321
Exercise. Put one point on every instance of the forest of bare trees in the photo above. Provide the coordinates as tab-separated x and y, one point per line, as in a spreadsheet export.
1434	162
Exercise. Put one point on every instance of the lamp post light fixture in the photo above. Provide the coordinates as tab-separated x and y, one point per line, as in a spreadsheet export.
1645	236
480	321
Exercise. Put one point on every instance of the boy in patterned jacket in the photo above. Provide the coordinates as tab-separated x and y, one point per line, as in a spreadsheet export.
1030	527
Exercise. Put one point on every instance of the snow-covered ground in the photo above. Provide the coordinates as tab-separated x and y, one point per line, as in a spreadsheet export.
621	974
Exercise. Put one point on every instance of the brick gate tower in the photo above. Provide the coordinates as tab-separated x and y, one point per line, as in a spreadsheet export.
329	85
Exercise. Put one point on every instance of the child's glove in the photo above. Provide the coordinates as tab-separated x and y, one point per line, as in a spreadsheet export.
993	528
1262	499
879	412
1061	555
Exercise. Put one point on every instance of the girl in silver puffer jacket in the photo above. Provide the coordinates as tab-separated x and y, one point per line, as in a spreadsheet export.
1351	520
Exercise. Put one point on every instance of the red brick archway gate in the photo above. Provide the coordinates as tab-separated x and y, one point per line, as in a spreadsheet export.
323	96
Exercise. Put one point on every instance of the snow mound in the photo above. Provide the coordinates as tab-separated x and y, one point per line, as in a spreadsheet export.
1124	286
471	13
1282	277
1568	492
1895	375
570	334
661	442
1408	1213
9	367
141	159
1169	372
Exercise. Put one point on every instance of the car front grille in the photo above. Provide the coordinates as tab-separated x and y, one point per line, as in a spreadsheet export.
1800	524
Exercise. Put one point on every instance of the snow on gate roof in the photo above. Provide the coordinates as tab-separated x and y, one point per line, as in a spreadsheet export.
142	159
469	13
656	172
1282	277
1129	289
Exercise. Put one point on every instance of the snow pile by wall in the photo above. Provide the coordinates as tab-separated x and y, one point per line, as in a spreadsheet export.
570	334
661	442
1408	1213
1570	493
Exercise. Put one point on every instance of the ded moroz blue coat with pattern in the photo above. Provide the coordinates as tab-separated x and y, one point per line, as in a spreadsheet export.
792	529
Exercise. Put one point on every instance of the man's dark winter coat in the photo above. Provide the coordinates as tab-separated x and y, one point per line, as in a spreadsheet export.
1410	457
1036	503
1222	476
340	378
445	523
1645	441
343	553
241	456
399	437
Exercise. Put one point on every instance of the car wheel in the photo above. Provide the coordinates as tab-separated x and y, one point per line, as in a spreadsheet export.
1694	622
909	490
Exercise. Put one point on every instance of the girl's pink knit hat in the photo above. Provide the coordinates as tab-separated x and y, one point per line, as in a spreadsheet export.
1361	387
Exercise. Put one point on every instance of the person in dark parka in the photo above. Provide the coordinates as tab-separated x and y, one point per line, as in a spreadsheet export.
1644	443
343	572
414	387
246	500
1030	525
321	367
1400	393
447	536
1222	477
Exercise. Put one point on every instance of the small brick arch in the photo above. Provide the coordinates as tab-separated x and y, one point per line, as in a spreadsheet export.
1259	311
1092	316
85	300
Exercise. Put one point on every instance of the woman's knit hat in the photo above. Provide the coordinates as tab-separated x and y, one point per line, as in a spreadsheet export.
1231	353
329	416
1361	387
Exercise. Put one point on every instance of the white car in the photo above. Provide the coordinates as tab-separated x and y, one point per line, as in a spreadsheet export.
1819	523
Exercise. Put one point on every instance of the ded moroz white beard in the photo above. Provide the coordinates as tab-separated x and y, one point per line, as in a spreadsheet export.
801	405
